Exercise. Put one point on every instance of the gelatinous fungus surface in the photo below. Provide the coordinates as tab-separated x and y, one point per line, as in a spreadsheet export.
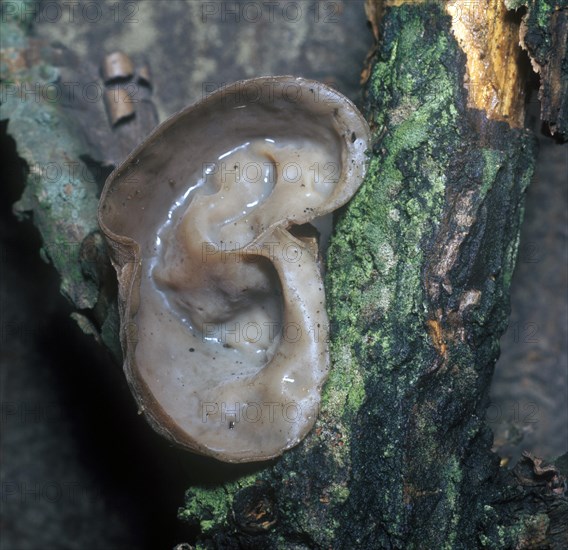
223	321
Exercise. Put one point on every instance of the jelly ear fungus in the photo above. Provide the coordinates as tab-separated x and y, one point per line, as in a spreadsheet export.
223	321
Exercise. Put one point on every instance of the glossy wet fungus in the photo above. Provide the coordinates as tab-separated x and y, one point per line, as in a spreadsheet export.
223	321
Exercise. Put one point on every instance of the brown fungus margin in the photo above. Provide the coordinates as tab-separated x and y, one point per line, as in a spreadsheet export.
171	199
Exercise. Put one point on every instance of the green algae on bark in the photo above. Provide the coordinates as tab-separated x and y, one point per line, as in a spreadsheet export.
418	278
441	185
45	108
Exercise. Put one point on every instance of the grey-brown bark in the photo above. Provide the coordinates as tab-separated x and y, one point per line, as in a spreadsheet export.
544	35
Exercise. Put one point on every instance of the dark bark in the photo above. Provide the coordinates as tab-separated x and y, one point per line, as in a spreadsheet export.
419	271
544	34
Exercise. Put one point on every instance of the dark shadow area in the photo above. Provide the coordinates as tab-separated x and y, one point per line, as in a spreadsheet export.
529	392
79	467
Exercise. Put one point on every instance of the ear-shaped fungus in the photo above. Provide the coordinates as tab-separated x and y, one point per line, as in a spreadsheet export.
223	321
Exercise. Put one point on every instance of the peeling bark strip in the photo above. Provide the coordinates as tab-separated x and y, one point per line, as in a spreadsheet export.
544	34
419	271
489	36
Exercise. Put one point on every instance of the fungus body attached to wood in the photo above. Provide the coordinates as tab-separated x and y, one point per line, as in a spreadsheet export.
223	321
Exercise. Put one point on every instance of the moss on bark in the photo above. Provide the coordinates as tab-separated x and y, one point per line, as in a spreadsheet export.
419	270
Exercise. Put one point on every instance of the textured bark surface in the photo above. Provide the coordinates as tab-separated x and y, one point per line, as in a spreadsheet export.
419	271
544	35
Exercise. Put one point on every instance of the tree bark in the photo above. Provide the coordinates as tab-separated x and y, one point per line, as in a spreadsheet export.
419	272
544	35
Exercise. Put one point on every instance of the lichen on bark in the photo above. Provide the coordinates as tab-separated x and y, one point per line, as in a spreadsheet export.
63	201
419	269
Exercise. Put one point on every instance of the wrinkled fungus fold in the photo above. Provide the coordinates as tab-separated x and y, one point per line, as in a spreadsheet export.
222	304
